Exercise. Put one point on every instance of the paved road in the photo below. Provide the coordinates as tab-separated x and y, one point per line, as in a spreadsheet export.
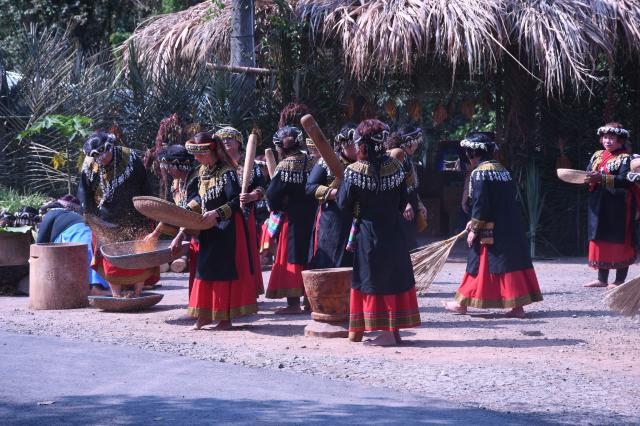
95	383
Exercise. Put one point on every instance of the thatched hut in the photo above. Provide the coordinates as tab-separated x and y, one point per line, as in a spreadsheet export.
553	69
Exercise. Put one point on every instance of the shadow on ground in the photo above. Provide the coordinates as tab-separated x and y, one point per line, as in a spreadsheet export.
125	409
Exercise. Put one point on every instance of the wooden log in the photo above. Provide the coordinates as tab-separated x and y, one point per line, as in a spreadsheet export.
324	147
249	159
244	70
270	158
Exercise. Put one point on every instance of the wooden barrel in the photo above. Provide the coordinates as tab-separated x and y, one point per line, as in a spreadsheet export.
14	248
328	291
58	276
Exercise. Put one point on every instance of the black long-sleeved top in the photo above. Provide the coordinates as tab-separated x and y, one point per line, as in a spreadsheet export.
332	229
218	190
381	264
286	193
497	219
608	213
116	205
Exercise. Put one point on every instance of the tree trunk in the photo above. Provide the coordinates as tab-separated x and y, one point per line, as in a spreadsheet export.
242	51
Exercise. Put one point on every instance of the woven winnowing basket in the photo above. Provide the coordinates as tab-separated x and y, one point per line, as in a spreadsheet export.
166	212
572	176
141	254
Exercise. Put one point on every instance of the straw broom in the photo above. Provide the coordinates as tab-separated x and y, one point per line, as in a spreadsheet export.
429	260
625	298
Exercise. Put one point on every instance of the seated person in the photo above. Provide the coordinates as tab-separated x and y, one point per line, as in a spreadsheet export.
61	223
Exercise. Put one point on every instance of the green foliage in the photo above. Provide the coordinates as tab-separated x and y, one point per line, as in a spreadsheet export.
531	196
118	37
71	127
11	200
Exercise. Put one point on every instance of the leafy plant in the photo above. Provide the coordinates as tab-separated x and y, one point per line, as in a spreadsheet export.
12	200
529	192
73	129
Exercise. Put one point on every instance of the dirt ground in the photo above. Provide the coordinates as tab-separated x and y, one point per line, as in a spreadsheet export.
571	360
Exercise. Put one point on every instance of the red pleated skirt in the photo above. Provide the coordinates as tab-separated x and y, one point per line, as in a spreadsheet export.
606	255
253	249
286	278
224	300
194	252
118	276
507	290
387	312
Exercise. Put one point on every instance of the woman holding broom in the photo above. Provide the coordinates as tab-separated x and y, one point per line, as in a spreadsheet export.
383	294
499	269
611	208
233	143
293	213
328	247
224	287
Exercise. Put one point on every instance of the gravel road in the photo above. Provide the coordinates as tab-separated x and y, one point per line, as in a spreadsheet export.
571	361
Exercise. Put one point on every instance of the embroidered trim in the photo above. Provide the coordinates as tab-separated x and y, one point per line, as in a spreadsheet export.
613	130
107	185
295	168
613	165
230	133
412	176
212	183
224	212
391	176
464	143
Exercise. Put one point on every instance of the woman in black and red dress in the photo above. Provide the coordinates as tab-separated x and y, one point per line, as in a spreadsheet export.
328	248
286	197
383	294
111	176
499	269
224	287
233	142
612	207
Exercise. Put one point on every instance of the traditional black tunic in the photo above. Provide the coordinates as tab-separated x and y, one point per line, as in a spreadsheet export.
409	226
286	193
496	213
107	192
219	189
332	229
381	261
111	198
608	201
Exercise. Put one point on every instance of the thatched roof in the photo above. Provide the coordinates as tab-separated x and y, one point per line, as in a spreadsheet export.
561	42
191	35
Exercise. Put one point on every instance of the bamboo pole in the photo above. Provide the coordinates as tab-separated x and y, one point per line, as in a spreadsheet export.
320	140
270	158
249	158
238	69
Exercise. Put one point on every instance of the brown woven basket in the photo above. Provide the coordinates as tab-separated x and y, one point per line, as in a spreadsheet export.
124	304
572	176
141	254
166	212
